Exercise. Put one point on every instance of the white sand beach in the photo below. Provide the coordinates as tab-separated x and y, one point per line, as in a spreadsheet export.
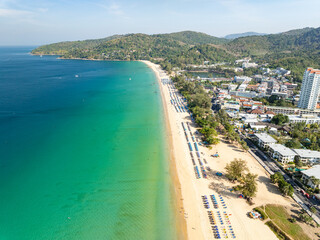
233	210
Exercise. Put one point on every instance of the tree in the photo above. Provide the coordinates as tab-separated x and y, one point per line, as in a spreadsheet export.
277	177
280	119
230	137
293	143
248	185
236	169
213	140
297	161
315	181
207	131
244	145
198	111
286	189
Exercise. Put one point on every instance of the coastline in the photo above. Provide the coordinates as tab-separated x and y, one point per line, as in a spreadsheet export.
191	220
190	189
83	59
180	220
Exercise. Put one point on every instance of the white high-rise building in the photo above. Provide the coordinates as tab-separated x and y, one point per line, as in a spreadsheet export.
310	89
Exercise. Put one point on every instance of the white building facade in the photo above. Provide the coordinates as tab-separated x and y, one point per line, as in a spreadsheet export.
308	156
264	139
308	119
281	153
310	89
308	174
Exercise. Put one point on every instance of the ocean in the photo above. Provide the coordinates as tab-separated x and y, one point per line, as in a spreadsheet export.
83	150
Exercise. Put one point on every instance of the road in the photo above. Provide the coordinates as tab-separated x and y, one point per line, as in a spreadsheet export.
271	167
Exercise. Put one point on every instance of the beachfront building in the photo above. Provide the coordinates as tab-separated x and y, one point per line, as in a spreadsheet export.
231	106
308	156
308	119
292	111
264	140
310	89
281	153
242	79
282	110
309	176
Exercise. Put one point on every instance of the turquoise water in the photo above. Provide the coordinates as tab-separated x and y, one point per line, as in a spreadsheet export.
82	150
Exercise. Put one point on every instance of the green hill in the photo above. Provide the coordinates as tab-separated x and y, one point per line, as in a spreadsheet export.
178	49
294	50
63	47
301	39
194	38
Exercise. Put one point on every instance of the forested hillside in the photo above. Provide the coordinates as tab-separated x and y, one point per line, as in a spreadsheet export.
194	38
63	47
294	50
177	49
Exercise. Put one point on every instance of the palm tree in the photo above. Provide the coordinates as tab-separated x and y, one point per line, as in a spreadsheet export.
315	181
287	189
277	177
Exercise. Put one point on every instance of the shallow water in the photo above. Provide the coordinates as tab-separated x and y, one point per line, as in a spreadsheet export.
83	153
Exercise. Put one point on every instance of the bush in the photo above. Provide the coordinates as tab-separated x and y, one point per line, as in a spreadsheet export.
263	214
293	220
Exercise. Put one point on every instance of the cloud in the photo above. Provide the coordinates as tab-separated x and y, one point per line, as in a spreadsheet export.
115	9
6	12
42	10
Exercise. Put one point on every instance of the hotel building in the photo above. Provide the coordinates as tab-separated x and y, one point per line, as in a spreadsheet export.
310	89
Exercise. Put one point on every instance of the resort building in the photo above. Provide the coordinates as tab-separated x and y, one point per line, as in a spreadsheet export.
291	111
308	156
308	119
231	105
310	89
281	153
264	140
309	176
242	79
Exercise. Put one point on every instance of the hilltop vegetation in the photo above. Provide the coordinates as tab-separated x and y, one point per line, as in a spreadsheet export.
303	39
63	47
177	49
294	50
194	38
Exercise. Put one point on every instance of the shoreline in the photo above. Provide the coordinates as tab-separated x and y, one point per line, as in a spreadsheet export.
180	221
193	214
84	59
191	218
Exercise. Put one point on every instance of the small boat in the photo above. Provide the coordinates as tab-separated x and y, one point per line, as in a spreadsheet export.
129	79
76	76
40	55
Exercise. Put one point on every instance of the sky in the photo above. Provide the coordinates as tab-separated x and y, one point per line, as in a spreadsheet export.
37	22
